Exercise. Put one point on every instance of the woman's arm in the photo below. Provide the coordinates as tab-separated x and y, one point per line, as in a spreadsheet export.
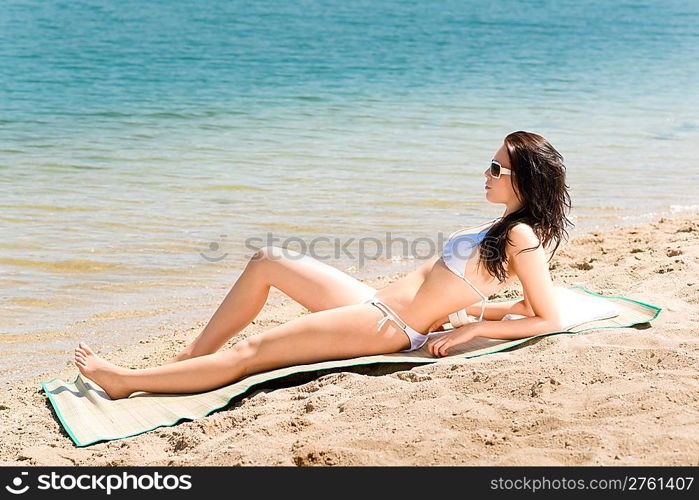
494	311
532	270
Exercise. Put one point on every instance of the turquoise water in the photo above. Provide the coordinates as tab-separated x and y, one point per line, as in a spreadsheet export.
143	143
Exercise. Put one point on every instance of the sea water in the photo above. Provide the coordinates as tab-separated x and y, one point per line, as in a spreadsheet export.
147	148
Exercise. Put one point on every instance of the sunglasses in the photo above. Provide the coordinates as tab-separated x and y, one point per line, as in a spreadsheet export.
496	170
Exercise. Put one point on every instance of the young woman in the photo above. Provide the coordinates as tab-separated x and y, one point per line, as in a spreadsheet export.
350	319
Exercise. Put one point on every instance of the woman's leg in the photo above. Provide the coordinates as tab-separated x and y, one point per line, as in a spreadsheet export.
315	285
338	333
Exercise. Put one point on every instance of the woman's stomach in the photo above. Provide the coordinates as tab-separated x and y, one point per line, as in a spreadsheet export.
422	300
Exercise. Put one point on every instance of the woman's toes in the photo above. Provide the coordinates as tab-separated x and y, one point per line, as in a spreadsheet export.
87	349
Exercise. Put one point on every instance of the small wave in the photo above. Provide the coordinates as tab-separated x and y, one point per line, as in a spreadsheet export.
15	219
294	228
51	208
684	208
43	303
231	187
69	266
434	202
62	167
169	114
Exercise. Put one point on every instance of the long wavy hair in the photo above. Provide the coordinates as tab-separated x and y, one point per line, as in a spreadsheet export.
538	179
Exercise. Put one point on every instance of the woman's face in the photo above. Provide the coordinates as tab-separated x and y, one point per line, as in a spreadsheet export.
501	190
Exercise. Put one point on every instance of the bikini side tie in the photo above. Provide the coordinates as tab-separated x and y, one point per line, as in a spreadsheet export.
389	316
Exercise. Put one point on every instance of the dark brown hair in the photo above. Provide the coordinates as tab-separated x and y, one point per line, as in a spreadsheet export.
538	179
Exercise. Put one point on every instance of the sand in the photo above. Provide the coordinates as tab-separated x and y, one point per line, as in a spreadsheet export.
605	397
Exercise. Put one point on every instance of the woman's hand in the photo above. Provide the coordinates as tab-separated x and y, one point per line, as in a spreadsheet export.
439	347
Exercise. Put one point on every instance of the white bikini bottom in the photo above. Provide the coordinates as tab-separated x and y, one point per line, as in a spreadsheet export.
417	339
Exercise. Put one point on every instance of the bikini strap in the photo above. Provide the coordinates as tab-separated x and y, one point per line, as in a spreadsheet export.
390	314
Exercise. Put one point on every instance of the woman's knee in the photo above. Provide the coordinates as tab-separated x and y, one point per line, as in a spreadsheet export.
266	261
269	253
243	353
261	260
247	348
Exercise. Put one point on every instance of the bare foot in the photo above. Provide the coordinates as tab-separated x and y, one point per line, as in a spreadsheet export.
107	375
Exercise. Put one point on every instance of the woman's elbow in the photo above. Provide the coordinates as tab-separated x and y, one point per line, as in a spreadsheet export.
554	324
548	324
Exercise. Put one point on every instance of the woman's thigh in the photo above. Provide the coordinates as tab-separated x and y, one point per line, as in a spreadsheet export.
313	284
339	333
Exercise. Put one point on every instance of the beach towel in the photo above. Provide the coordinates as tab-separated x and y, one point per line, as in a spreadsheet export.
88	415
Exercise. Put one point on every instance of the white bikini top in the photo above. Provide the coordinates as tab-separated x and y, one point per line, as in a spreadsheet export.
458	250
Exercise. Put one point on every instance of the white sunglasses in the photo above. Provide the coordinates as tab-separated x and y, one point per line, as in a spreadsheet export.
496	170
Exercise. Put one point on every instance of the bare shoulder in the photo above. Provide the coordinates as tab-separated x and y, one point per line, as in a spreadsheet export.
522	236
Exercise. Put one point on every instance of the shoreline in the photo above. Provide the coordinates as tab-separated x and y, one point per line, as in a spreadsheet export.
171	307
608	397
